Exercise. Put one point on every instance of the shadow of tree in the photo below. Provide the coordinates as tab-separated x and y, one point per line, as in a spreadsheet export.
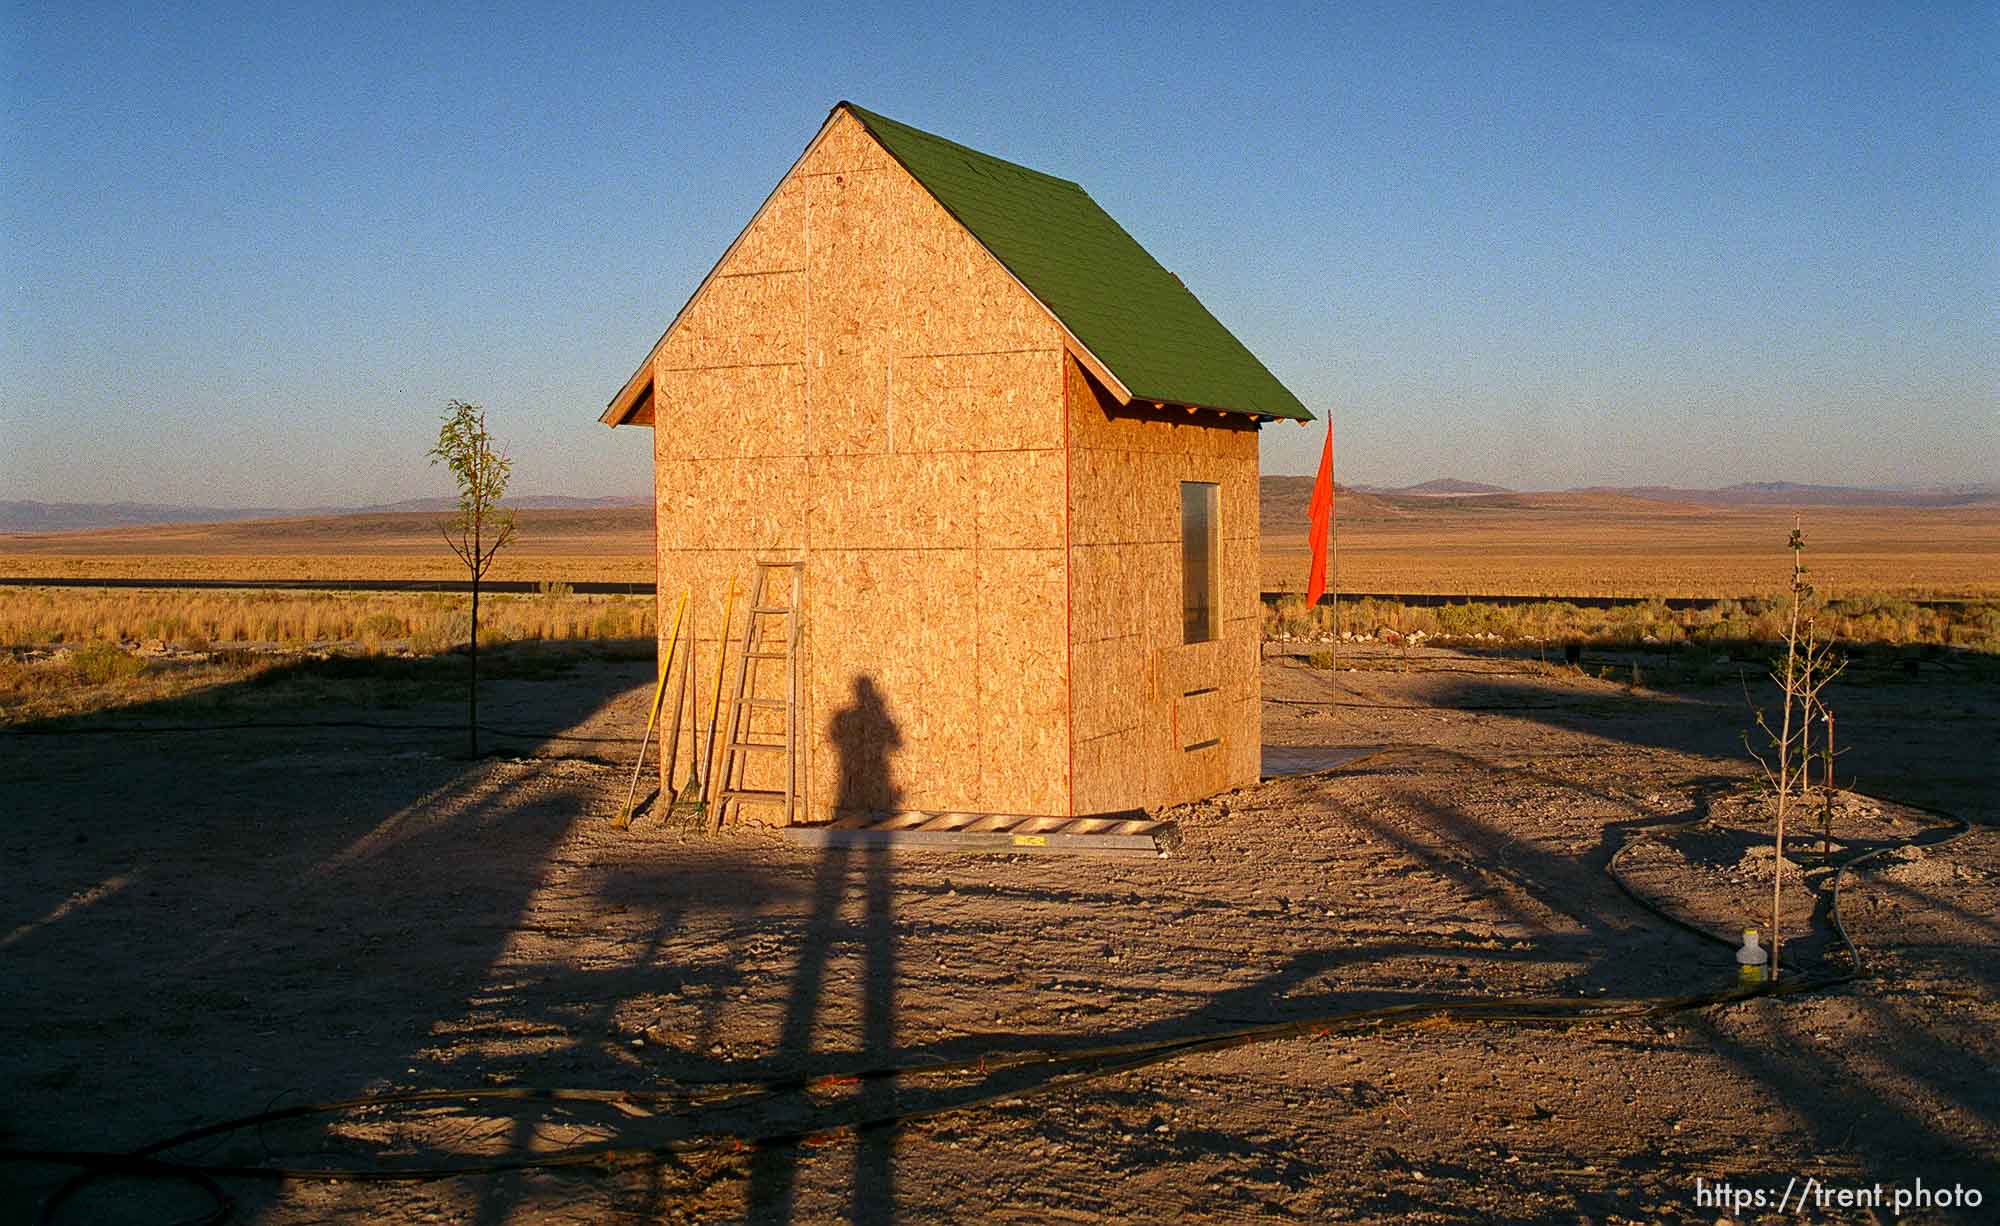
1901	737
1896	747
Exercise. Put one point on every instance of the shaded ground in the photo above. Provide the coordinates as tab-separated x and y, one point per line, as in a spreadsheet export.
197	927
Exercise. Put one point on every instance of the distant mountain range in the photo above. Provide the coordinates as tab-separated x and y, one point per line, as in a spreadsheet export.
1791	494
1745	494
73	516
1442	487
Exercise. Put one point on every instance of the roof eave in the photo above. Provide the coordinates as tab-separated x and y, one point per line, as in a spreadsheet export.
619	412
1259	416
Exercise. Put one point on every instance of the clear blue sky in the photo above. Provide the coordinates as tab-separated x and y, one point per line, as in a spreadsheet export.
247	252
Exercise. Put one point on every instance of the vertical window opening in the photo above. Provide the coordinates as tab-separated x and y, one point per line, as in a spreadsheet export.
1201	570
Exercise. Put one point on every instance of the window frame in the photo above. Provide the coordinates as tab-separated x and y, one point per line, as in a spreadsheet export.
1201	623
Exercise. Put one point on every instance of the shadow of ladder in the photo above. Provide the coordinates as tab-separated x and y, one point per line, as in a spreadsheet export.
744	702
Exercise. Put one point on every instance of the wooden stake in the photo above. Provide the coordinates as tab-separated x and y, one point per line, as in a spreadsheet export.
694	779
624	820
673	741
690	789
1333	562
708	794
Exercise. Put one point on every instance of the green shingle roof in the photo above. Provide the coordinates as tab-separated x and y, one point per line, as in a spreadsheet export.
1131	314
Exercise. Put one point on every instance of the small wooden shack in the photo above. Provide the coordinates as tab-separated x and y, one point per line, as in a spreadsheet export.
1018	461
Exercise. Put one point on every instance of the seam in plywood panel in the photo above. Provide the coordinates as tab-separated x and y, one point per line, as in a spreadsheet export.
1144	451
985	353
978	666
933	451
765	272
810	576
940	451
689	370
806	399
835	174
878	549
1137	540
1069	580
978	639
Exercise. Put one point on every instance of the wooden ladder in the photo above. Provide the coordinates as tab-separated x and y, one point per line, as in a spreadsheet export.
736	742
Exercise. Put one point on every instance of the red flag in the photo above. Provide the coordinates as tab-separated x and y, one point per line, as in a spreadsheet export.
1322	519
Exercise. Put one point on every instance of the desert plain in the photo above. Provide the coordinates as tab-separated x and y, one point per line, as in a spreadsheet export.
292	887
1568	544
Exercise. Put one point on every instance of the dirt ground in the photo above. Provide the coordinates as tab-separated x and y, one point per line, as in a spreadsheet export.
202	926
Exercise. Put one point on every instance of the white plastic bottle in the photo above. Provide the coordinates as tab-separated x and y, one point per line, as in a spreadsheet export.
1751	960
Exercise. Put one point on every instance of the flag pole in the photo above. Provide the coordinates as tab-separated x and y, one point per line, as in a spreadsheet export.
1320	514
1333	562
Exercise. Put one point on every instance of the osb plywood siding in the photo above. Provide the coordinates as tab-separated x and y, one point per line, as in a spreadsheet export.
1156	721
860	385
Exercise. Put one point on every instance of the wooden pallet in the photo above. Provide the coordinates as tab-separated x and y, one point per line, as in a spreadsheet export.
1112	834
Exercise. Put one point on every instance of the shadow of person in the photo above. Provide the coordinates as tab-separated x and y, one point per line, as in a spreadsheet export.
864	735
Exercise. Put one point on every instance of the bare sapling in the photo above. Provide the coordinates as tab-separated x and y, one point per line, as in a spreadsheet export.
1809	665
481	527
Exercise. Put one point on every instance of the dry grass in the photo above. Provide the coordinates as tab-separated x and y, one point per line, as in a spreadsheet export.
371	621
1864	619
95	678
102	677
65	651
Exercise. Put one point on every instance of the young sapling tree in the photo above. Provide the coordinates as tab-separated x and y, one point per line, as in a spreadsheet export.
481	527
1809	665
